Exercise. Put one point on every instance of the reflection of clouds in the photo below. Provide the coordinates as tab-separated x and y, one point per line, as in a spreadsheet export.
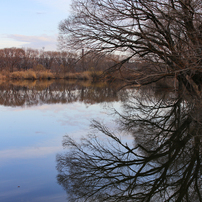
72	113
52	198
47	107
82	116
26	188
38	132
26	152
16	192
103	108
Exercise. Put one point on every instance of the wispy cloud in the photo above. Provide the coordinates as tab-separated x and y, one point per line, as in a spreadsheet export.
31	39
9	43
49	42
40	13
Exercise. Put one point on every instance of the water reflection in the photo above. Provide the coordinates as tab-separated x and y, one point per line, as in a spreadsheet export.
31	132
163	163
33	93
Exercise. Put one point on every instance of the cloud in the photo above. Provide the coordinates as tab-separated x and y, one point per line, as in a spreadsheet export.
36	42
40	13
31	39
10	43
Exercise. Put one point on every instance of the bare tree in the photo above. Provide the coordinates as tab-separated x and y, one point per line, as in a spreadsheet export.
167	33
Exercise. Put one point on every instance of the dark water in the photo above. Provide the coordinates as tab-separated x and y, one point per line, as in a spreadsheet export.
94	142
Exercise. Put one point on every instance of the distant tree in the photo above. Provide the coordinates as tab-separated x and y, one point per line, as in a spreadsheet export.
39	68
31	56
167	33
2	60
12	58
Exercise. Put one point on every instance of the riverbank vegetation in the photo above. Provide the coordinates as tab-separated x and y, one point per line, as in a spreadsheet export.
48	75
31	64
152	42
167	35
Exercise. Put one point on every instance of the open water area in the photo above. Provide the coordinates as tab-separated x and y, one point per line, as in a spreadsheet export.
134	144
34	119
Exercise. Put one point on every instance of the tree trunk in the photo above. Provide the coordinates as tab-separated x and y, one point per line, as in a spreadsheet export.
191	86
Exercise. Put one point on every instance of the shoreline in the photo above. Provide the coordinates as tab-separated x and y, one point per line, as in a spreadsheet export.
48	75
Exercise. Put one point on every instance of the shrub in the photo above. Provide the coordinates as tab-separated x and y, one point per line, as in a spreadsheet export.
29	74
45	75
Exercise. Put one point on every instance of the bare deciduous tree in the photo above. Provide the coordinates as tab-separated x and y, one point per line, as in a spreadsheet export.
167	33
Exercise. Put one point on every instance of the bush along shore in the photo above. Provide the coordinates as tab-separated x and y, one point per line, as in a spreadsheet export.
48	75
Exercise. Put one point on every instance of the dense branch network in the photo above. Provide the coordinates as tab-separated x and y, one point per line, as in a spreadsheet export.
167	33
163	164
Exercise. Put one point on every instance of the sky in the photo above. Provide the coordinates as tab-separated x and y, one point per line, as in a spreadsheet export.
31	23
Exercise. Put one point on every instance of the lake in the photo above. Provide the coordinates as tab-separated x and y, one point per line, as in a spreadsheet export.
68	141
34	118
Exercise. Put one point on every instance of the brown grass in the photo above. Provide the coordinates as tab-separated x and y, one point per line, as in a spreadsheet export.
31	75
79	75
47	75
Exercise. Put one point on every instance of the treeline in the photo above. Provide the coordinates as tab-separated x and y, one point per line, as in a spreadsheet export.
20	59
26	64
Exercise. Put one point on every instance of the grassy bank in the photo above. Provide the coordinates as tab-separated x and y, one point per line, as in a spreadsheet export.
93	76
48	75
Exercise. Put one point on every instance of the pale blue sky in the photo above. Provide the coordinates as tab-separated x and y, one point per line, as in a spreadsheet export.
31	23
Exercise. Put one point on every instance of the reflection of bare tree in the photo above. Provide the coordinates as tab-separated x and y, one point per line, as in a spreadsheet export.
163	164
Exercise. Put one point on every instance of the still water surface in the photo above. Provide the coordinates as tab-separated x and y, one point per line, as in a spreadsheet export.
143	145
34	118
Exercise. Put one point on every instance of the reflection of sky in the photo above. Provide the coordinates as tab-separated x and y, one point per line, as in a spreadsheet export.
30	139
